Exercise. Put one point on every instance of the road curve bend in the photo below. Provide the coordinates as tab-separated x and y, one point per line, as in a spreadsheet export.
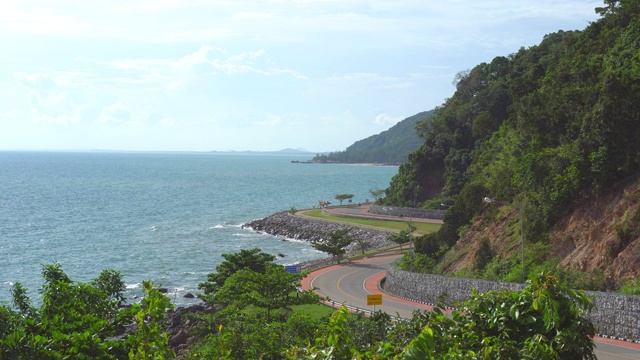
350	282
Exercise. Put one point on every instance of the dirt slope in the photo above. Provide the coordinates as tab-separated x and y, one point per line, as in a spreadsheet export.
599	233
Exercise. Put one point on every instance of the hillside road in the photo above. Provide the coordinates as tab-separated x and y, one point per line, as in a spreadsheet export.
351	282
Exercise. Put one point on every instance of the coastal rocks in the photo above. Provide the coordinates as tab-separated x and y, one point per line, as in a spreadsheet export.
181	324
301	228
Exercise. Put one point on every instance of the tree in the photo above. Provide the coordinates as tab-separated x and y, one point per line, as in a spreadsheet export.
343	197
484	255
376	193
254	318
252	259
362	244
151	342
273	289
389	147
80	320
403	236
543	321
336	244
245	334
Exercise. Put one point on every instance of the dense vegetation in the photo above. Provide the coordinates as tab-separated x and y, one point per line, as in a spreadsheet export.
254	318
539	129
389	147
543	321
84	321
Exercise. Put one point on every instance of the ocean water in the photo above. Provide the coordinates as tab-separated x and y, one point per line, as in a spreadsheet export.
166	217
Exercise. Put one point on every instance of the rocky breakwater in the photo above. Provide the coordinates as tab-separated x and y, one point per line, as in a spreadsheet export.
308	229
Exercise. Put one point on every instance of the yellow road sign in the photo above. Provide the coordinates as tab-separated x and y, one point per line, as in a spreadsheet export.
374	299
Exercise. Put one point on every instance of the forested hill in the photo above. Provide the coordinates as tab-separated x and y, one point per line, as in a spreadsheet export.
389	147
542	129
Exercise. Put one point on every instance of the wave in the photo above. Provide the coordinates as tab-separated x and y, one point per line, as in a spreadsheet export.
133	286
251	235
301	241
225	226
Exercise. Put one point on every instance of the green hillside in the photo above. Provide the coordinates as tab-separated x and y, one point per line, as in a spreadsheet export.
541	129
389	147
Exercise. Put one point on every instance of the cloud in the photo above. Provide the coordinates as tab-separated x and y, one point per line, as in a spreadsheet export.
53	79
306	66
364	81
206	61
268	120
115	113
371	23
50	102
197	35
386	120
20	17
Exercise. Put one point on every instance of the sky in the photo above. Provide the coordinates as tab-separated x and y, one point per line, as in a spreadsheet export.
220	75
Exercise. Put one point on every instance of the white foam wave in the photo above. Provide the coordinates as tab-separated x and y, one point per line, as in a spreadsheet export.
245	235
296	240
133	286
225	226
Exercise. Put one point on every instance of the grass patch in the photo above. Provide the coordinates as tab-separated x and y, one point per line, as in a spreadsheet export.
421	228
316	311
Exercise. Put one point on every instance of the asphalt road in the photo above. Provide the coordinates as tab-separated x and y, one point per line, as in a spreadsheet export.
350	283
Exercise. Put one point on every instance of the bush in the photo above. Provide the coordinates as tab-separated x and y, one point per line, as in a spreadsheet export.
631	287
80	320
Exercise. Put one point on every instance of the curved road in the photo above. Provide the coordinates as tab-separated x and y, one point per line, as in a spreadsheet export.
350	283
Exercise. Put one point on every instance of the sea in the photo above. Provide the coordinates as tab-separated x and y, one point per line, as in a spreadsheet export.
164	217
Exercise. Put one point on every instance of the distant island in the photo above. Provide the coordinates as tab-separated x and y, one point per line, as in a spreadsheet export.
287	151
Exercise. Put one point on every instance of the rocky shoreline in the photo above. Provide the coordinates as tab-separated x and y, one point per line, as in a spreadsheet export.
307	229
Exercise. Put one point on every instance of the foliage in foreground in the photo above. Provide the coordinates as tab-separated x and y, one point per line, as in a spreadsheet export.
81	320
256	321
543	321
546	320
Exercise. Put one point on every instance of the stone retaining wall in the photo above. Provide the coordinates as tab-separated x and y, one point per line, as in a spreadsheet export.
308	229
407	212
616	316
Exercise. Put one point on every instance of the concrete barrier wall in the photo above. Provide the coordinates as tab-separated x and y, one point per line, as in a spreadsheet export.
616	316
407	212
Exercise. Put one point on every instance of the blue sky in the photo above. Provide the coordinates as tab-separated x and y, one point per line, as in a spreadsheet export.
198	75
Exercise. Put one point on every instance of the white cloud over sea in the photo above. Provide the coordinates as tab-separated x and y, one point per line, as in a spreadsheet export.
245	75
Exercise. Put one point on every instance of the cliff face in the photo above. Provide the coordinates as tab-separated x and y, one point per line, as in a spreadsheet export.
601	233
